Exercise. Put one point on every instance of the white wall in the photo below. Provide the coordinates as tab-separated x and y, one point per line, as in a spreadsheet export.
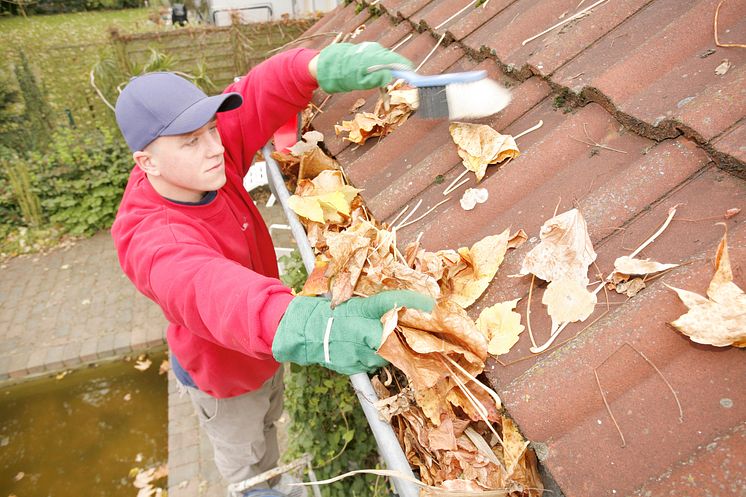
266	10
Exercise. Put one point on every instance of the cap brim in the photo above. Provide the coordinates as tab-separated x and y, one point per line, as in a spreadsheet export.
201	113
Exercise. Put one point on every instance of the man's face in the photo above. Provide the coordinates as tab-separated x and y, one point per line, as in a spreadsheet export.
185	167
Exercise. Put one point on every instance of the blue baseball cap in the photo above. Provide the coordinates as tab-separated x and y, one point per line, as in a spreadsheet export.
164	104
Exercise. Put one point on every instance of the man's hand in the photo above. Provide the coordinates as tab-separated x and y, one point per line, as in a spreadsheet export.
344	339
344	67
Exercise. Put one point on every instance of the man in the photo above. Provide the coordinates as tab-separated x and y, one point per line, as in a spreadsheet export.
190	239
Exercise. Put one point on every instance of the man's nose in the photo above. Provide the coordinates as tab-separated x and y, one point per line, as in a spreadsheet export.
215	145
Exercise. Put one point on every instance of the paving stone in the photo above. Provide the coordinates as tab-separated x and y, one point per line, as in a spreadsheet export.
177	474
88	351
122	343
71	354
53	358
105	346
35	363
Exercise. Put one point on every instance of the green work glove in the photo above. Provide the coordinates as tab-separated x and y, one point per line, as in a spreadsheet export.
344	66
344	339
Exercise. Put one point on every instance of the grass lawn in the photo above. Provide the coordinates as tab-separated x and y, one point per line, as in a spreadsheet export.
62	49
38	33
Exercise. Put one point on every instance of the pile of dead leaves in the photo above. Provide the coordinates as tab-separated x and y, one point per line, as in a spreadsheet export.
450	424
392	110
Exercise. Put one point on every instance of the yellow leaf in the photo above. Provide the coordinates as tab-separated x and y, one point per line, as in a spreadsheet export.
565	250
501	326
479	145
721	319
481	262
568	301
307	207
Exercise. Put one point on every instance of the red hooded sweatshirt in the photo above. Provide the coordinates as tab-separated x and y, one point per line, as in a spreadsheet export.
212	267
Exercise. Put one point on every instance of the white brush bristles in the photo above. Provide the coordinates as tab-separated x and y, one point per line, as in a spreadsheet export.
478	99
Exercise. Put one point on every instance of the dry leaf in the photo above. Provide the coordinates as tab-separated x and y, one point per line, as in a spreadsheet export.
308	143
723	68
165	367
355	106
313	162
629	265
324	199
568	301
565	250
721	319
479	145
389	113
501	326
518	239
142	363
317	282
348	251
630	288
732	212
472	197
475	270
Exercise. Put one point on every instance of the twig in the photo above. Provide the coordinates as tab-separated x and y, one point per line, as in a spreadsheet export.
529	130
571	18
555	346
528	311
477	405
608	409
405	224
671	213
460	184
416	206
101	95
431	53
594	143
455	15
676	397
319	109
451	187
302	38
581	3
484	387
393	222
717	41
406	39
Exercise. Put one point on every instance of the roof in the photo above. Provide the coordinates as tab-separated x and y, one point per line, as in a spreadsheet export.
638	76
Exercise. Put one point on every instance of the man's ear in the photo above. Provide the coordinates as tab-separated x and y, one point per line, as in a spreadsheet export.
144	161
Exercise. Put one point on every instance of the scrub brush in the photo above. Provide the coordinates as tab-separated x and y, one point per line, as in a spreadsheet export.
459	95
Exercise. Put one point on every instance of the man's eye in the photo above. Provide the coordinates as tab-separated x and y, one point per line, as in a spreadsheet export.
192	141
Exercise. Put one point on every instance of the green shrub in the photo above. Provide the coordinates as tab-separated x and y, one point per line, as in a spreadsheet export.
81	178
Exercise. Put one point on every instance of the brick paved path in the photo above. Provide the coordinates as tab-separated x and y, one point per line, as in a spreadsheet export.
70	307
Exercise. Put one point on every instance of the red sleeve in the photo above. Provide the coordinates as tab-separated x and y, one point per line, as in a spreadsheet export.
273	92
216	298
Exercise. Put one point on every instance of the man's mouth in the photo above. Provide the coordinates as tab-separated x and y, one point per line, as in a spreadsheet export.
215	167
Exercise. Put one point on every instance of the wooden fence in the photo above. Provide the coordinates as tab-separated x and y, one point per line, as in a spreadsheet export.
224	52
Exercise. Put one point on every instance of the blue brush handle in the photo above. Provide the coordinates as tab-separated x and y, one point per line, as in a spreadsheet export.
440	79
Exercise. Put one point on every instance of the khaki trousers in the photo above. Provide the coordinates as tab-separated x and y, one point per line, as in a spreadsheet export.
242	429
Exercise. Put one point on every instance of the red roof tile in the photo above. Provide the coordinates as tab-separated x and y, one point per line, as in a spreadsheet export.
645	87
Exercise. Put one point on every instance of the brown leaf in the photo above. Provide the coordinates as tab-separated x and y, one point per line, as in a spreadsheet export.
568	301
478	267
355	106
479	145
317	282
631	287
348	251
518	239
313	162
565	250
721	319
732	212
